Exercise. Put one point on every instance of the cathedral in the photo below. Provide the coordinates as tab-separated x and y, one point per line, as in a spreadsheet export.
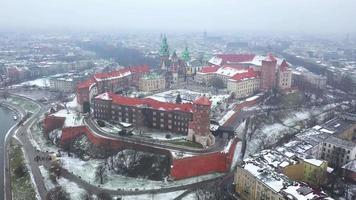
172	66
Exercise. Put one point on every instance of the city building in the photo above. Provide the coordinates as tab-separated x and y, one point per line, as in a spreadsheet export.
268	73
152	82
244	84
174	67
349	171
337	151
259	177
199	128
108	82
284	76
190	119
64	83
304	78
246	74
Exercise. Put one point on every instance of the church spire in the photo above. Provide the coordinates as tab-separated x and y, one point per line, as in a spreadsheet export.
164	49
185	54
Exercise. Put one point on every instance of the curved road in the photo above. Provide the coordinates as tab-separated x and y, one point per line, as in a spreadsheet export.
219	143
8	125
22	134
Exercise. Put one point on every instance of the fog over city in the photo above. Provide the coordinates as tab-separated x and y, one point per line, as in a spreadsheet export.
306	16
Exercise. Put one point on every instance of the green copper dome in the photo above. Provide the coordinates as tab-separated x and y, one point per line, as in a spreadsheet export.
164	50
185	55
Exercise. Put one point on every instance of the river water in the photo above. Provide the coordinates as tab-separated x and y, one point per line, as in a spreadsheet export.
6	121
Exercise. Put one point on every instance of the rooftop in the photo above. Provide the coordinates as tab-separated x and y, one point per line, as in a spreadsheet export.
340	143
154	104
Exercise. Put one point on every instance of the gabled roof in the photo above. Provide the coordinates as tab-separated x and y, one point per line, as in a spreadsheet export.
270	58
209	69
139	69
235	58
202	100
114	74
284	65
151	103
351	166
246	75
86	84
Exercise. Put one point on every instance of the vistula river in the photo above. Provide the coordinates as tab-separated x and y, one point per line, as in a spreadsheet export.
6	122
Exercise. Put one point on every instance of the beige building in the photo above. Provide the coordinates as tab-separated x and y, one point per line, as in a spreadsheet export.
337	151
152	82
245	84
260	177
284	76
62	84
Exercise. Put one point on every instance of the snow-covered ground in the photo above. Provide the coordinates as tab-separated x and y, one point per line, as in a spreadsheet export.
75	192
41	82
45	175
188	96
86	170
270	133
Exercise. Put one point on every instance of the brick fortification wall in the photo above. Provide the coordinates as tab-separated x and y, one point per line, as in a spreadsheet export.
181	167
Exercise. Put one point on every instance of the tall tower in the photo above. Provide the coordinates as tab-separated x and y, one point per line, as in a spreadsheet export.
268	73
199	128
164	53
186	55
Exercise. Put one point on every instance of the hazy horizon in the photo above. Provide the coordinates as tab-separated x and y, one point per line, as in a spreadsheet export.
284	16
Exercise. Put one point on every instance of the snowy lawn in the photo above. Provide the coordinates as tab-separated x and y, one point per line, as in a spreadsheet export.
27	105
38	140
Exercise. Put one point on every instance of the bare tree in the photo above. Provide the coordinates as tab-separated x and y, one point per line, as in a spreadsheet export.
100	173
57	193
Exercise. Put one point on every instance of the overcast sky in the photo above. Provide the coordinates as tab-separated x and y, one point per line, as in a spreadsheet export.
310	16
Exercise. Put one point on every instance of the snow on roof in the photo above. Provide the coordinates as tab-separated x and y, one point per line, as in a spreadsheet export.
104	96
314	162
230	71
326	131
252	98
202	100
301	192
269	178
214	127
317	127
351	166
284	164
226	117
263	166
215	60
154	104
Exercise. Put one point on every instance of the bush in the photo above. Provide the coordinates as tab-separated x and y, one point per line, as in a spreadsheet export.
168	136
20	171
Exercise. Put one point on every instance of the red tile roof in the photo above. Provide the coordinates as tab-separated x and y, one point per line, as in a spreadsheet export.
249	74
202	100
284	65
270	58
139	69
236	58
117	73
154	104
209	69
85	84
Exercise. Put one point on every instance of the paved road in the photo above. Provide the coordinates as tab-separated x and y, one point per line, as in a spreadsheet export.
6	121
219	143
23	133
20	136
